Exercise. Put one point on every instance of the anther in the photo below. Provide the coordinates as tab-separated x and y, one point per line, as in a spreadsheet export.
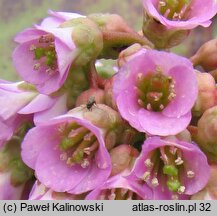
181	189
85	163
146	176
155	182
162	3
161	107
148	163
63	156
190	174
37	66
148	107
179	161
175	197
32	47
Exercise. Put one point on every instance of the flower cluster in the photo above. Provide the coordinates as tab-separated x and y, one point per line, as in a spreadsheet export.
77	127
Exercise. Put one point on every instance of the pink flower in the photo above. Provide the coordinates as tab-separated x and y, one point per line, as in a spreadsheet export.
20	102
155	92
56	18
41	192
119	188
71	155
181	14
173	169
44	57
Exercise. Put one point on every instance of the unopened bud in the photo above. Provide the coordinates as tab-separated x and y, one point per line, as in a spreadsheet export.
98	96
110	22
206	94
109	99
206	55
103	116
207	130
121	157
128	54
87	37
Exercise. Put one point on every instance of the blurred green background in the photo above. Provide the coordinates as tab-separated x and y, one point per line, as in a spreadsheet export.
16	15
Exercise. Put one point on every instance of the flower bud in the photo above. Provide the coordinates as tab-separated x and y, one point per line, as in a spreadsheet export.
126	54
206	94
206	55
109	99
122	157
91	96
210	191
207	130
87	38
110	22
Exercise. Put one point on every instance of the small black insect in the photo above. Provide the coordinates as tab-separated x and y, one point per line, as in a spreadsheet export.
91	101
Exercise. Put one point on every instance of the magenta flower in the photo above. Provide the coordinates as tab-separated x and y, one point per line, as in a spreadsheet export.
155	92
44	57
41	192
173	169
71	155
56	18
119	188
182	14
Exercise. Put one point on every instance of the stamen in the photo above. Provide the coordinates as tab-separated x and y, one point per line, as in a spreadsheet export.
175	197
163	155
148	163
70	161
179	161
155	182
92	148
161	107
162	3
32	47
85	163
63	156
190	174
146	176
173	150
181	189
37	66
167	13
140	102
149	107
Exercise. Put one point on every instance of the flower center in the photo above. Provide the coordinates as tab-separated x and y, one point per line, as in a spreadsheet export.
155	90
45	54
174	9
78	144
118	194
170	168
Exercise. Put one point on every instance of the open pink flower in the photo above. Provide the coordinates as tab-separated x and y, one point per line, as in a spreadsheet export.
44	57
71	155
119	188
155	92
56	18
181	14
20	102
173	169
